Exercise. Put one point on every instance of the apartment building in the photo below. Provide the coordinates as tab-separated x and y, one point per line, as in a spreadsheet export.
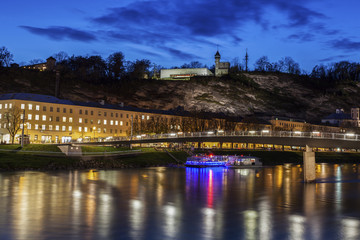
52	120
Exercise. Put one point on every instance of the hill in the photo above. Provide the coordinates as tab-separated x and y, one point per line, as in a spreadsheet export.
239	94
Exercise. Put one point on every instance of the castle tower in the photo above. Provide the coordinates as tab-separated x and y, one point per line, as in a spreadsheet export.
217	63
221	68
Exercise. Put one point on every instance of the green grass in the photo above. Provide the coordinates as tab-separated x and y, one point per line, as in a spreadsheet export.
41	147
9	146
90	149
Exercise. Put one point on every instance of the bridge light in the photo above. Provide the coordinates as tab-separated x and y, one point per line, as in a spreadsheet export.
180	133
221	131
265	131
297	132
315	132
172	134
350	134
138	136
143	135
210	132
251	132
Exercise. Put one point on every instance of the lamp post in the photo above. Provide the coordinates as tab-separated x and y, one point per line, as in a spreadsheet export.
94	128
22	131
131	132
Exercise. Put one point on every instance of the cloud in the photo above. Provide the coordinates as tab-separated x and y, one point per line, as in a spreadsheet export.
62	33
302	37
334	58
345	44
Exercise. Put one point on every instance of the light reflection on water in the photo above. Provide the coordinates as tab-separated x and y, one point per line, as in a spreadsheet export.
182	203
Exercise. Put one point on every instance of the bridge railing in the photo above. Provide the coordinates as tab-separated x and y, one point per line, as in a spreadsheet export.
261	133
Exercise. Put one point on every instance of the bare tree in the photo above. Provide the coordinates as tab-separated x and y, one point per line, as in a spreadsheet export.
12	120
5	57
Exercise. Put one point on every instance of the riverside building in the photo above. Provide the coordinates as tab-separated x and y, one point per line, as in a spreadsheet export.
52	120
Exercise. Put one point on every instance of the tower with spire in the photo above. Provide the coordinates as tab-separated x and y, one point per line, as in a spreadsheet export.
221	68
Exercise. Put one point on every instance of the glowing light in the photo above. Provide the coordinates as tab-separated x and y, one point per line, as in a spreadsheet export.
265	131
221	131
77	194
138	136
350	134
251	132
297	132
210	190
315	132
180	133
210	132
172	134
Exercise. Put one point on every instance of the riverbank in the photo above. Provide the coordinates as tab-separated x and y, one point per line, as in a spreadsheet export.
49	157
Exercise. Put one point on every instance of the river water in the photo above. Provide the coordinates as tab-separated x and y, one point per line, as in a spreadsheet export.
181	203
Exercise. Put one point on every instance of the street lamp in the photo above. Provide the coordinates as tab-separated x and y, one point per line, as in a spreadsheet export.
94	128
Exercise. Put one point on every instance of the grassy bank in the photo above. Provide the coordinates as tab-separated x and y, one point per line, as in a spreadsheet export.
20	159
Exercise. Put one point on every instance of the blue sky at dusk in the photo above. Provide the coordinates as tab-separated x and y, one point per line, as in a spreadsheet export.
173	32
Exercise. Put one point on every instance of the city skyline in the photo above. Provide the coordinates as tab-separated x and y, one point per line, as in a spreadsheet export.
176	32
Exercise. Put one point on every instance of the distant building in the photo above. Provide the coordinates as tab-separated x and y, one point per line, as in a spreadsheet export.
355	116
221	68
184	73
337	118
49	65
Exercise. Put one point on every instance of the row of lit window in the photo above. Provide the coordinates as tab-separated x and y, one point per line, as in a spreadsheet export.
64	110
86	112
63	128
6	105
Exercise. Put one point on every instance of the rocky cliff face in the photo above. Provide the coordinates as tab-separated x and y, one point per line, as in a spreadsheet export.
271	94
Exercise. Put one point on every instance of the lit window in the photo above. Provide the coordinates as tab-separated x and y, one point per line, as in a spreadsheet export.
105	121
28	126
64	119
50	119
10	105
63	128
121	123
142	117
57	127
30	106
99	121
0	106
37	107
44	117
21	126
104	131
70	119
36	117
36	126
147	117
85	129
99	130
80	129
111	122
21	116
29	116
6	105
22	106
70	128
50	127
116	122
80	121
43	127
0	116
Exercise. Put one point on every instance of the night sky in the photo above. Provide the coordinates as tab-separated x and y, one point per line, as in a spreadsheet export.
173	32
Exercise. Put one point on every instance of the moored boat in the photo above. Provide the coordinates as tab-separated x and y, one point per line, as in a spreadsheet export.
222	161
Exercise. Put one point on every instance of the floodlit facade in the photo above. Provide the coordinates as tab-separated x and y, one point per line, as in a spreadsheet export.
53	120
184	73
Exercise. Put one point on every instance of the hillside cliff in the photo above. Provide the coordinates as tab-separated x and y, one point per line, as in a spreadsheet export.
238	95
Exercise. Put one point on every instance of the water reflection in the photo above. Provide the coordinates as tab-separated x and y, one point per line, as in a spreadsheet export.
183	203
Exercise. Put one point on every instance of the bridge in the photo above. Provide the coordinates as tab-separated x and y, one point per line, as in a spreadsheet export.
308	140
284	138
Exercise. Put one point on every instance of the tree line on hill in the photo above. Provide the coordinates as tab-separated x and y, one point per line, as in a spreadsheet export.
115	68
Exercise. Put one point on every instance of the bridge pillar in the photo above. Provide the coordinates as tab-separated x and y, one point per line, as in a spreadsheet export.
309	165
